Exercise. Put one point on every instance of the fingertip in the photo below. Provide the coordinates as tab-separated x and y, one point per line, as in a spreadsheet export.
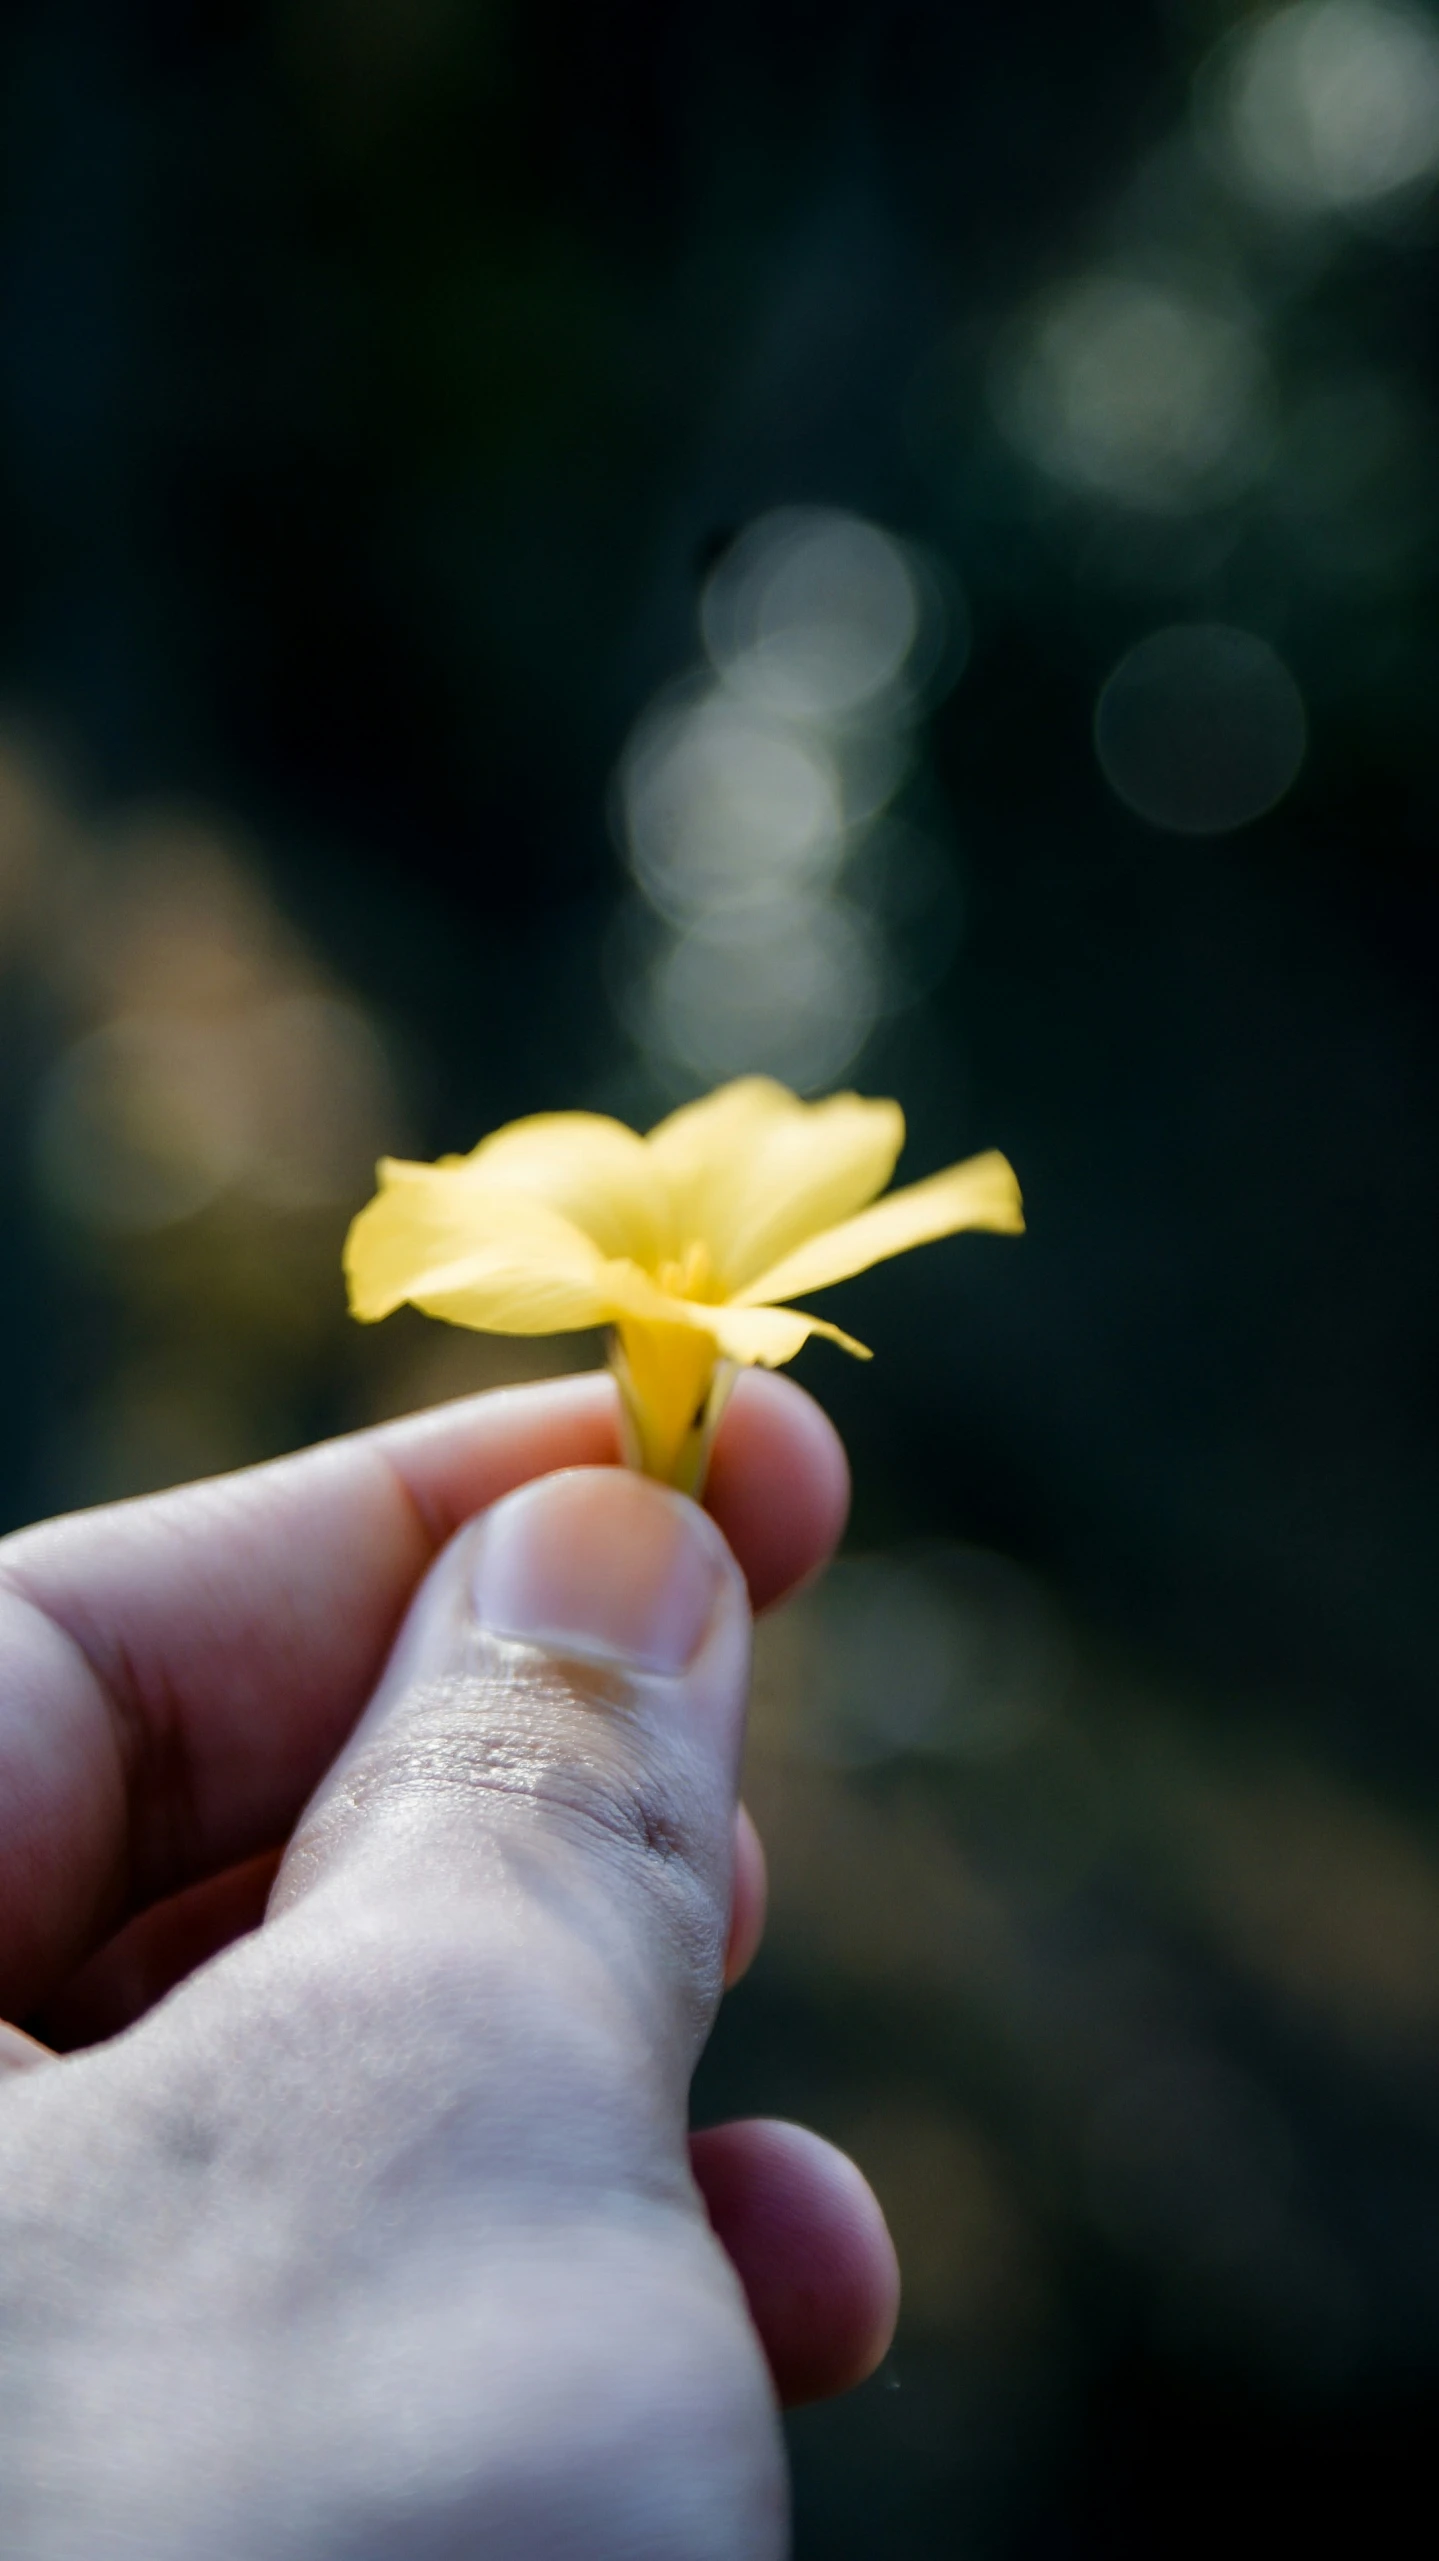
811	2247
748	1899
778	1483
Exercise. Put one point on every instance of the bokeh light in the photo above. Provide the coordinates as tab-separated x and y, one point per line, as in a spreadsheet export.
26	822
790	989
1139	392
939	1649
204	1112
1332	105
219	1061
723	806
749	796
815	614
1200	728
141	1124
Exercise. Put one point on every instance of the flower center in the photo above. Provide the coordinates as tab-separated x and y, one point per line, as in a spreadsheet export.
693	1276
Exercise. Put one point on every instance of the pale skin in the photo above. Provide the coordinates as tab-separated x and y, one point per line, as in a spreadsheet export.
371	2227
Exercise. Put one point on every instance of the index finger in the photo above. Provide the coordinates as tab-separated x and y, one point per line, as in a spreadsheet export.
181	1670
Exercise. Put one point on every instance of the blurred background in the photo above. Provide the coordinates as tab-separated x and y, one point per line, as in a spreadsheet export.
552	555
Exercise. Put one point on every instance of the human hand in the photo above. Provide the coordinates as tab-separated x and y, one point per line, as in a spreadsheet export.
379	2234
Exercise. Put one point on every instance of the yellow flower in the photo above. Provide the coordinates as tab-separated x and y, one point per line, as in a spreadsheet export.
683	1242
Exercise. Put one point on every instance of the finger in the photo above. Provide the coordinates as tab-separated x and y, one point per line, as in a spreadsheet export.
748	1900
535	1819
154	1952
159	1948
180	1671
811	2248
19	2052
778	1484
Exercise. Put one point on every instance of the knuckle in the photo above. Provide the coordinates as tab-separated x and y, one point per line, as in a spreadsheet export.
556	1746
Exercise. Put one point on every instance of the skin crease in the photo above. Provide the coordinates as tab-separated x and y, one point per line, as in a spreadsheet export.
380	2232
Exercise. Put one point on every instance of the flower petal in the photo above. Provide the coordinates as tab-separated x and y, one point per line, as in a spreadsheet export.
765	1337
982	1192
591	1169
752	1171
500	1291
433	1236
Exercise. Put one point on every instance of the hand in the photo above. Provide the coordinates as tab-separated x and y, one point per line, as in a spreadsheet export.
379	2234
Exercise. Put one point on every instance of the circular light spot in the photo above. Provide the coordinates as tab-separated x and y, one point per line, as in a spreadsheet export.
150	1118
941	1649
812	613
722	806
790	991
1332	104
1200	728
142	1124
1140	393
871	760
319	1097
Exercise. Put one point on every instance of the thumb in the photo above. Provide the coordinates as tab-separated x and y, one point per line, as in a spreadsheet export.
534	1820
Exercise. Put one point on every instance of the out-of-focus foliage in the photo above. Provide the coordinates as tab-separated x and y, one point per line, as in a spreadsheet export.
553	555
